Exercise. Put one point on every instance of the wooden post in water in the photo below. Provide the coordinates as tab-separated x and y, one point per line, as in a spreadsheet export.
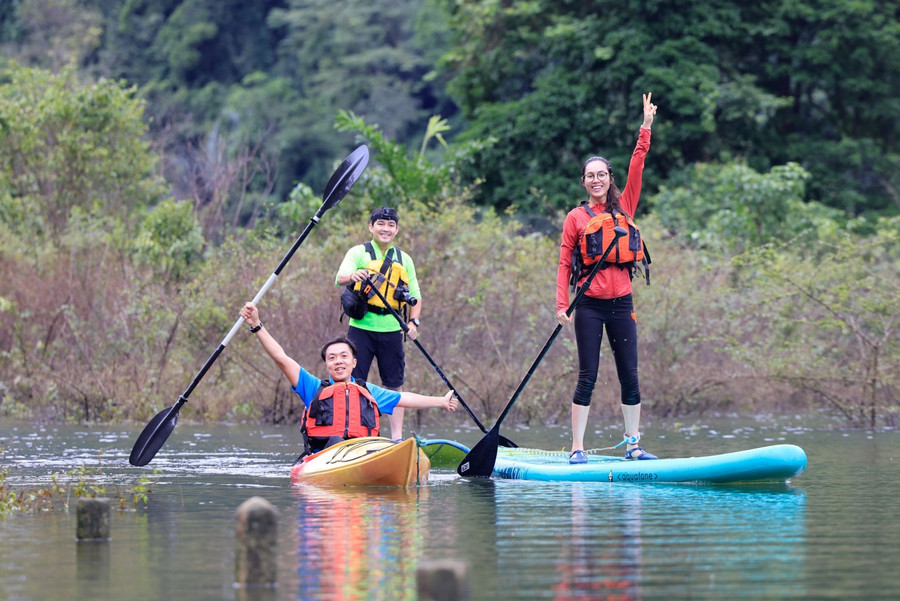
92	516
255	561
443	580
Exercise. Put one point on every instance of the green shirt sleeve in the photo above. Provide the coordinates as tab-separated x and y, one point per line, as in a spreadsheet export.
413	280
357	258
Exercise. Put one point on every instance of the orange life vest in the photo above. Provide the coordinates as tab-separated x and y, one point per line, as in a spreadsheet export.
627	252
345	409
598	233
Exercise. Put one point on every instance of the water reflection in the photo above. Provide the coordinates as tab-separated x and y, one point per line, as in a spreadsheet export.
588	571
92	570
358	543
613	542
826	536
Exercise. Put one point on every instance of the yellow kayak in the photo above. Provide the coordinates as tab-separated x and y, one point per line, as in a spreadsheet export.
369	461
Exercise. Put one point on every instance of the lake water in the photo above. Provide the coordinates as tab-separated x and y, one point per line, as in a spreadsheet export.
831	533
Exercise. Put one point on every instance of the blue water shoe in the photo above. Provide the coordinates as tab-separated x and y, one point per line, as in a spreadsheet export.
577	457
639	453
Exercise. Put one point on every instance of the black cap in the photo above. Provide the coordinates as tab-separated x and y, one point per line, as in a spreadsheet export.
384	213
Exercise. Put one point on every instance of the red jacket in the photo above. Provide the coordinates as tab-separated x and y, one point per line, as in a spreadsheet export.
611	282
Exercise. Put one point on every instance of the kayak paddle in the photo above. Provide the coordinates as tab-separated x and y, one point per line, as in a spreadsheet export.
480	460
160	427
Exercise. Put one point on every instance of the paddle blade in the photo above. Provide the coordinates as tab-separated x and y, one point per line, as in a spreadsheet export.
154	436
505	442
479	463
344	178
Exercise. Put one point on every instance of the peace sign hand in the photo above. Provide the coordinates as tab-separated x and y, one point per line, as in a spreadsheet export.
649	110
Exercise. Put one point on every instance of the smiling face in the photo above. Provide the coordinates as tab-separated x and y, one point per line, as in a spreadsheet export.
595	178
339	361
383	231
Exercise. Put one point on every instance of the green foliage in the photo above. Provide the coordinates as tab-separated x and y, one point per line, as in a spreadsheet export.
242	95
70	144
139	492
301	205
27	500
357	57
830	321
767	82
91	327
733	208
170	240
402	178
49	33
75	173
191	42
76	483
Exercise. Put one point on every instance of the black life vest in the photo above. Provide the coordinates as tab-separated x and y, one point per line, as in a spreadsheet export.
345	409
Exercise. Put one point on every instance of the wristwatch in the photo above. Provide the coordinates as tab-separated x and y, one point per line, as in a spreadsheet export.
414	321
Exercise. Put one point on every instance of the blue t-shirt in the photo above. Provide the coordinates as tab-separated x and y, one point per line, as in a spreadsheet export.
308	385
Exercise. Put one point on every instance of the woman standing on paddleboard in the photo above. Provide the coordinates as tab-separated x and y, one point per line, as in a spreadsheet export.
608	301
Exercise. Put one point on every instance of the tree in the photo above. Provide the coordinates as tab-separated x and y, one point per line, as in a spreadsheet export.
358	57
769	83
231	84
824	321
170	241
731	208
70	144
49	33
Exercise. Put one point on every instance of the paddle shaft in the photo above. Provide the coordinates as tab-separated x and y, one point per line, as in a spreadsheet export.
479	462
237	325
581	291
333	195
157	431
431	361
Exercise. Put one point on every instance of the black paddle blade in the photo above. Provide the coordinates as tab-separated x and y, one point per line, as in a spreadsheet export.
505	442
344	177
154	436
479	463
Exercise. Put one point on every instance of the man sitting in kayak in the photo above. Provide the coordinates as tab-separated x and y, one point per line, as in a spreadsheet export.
360	404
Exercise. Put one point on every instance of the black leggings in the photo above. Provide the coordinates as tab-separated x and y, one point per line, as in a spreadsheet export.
617	314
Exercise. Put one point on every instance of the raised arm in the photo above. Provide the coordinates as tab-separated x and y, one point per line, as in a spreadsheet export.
631	194
288	366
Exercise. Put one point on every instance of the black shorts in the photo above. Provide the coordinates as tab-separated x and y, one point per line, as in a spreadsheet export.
386	348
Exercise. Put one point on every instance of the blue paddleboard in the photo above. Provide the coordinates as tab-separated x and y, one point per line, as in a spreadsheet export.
775	462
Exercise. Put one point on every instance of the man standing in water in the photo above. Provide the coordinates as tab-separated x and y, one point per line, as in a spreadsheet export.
378	335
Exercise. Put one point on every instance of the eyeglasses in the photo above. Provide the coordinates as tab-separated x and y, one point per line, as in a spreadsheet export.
600	175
